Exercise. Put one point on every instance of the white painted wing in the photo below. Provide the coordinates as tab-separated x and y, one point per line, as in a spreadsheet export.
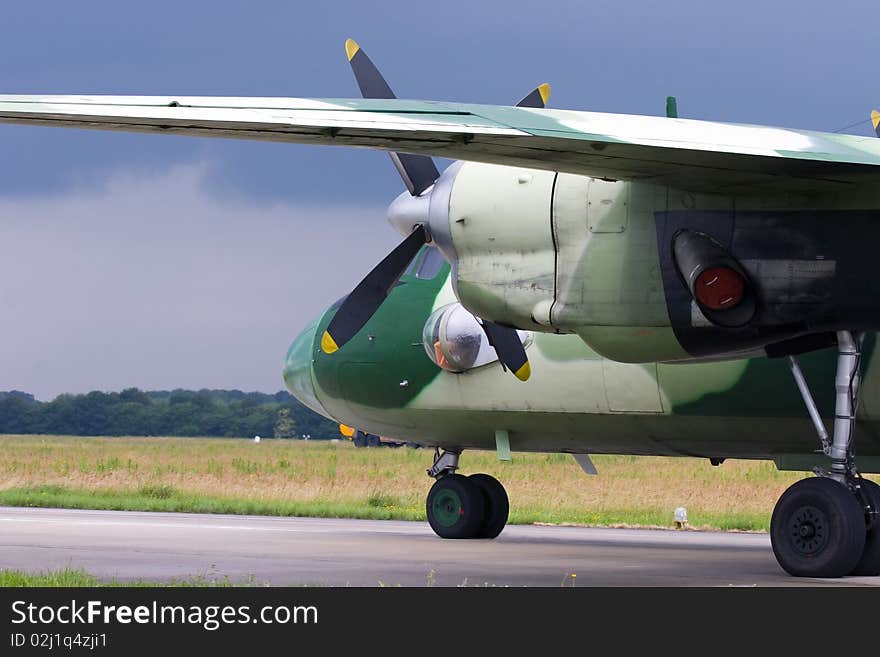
694	155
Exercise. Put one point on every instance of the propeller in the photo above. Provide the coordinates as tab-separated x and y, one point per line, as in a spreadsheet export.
506	341
369	294
537	98
418	173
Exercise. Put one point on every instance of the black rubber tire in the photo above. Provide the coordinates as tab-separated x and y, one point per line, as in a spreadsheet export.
456	507
818	529
869	564
497	505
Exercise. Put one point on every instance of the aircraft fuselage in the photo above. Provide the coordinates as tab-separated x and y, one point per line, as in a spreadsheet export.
576	401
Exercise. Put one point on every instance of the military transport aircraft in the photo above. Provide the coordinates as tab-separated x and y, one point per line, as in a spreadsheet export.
649	281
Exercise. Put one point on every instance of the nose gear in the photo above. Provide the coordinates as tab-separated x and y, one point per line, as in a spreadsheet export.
464	507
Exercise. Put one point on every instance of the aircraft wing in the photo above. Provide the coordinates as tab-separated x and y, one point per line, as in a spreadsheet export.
693	155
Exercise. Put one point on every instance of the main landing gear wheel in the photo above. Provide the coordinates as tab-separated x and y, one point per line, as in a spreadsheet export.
818	529
870	561
456	507
829	526
497	505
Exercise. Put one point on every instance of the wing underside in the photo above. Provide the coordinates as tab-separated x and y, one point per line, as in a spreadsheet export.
694	155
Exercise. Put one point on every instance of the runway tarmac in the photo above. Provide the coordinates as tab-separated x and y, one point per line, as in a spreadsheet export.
298	551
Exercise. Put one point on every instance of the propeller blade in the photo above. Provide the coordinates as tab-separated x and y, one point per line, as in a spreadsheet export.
509	348
369	294
418	171
538	98
370	81
875	120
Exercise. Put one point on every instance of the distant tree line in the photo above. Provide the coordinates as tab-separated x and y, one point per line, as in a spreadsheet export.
134	412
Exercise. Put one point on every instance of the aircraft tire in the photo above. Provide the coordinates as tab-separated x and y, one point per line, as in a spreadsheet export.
497	505
818	529
456	507
869	564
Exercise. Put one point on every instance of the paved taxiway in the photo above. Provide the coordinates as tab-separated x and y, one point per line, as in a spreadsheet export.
295	551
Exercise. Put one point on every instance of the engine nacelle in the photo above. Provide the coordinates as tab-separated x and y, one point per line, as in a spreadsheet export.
500	230
551	252
646	273
559	253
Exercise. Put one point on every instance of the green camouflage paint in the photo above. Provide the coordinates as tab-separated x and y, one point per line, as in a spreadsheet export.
766	388
386	352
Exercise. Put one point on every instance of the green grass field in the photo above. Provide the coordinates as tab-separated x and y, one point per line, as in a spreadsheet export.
74	577
334	479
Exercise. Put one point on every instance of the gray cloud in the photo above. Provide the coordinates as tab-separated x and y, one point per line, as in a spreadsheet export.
148	280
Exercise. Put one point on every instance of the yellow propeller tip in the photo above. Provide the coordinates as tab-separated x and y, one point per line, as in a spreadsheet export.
544	90
875	118
524	372
351	48
328	344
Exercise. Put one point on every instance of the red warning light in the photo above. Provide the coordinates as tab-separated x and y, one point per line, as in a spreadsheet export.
719	288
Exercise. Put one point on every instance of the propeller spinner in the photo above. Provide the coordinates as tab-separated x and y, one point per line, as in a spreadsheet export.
419	173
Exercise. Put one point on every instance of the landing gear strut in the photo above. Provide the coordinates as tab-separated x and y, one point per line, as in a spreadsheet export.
464	507
828	526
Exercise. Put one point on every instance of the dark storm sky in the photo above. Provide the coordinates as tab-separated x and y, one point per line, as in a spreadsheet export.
132	260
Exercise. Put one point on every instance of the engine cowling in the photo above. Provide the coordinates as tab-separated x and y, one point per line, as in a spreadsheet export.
537	250
646	273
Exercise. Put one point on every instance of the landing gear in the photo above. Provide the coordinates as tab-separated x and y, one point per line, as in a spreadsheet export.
456	507
829	526
497	505
870	561
818	529
464	507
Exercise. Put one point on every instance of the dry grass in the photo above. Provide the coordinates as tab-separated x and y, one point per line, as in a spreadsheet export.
295	477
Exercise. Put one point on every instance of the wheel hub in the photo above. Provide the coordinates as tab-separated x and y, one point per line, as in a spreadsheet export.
809	530
447	508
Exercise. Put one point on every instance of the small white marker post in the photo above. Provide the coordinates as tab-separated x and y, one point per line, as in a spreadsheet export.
680	515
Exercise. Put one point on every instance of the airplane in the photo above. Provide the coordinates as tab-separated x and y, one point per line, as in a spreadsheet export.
656	286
